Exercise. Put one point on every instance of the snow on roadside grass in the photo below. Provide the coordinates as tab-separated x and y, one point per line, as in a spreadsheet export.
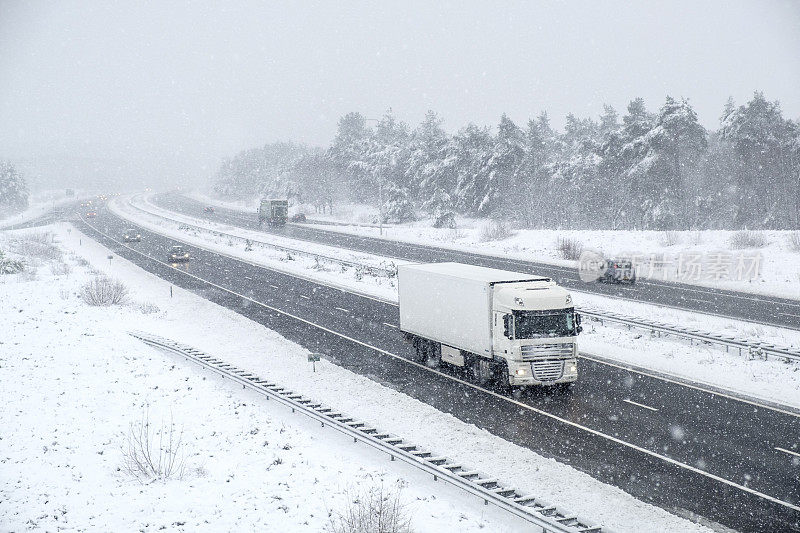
244	343
73	381
772	380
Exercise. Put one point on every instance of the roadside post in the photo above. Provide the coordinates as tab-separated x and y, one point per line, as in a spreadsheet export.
313	358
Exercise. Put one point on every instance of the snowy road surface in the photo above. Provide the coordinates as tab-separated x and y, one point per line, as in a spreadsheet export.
773	310
696	451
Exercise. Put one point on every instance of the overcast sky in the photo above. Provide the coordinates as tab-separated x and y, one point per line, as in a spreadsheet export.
171	87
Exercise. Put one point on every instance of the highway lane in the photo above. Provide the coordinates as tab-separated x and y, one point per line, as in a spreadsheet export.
781	312
721	436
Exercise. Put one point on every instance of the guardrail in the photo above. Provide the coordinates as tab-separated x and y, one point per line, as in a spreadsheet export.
536	511
745	347
753	349
389	271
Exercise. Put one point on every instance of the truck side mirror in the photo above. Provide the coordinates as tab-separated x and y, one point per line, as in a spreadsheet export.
507	325
578	318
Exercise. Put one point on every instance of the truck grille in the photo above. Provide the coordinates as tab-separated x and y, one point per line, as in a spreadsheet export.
532	352
548	370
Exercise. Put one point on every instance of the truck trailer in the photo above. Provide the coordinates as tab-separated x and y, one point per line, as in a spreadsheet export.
514	329
274	212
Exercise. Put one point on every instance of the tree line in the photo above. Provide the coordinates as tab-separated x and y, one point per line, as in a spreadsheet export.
642	170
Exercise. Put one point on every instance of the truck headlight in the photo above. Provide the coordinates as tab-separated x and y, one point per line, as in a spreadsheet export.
522	371
573	368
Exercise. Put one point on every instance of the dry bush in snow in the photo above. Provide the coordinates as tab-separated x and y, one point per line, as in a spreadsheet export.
669	238
373	510
495	230
794	241
9	265
60	269
103	291
570	249
148	309
153	453
747	239
35	245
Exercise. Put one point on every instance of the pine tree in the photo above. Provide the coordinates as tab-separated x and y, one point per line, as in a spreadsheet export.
503	172
13	190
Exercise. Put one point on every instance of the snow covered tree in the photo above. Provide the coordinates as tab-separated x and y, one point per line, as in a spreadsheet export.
537	170
766	174
13	190
427	171
498	192
469	151
348	146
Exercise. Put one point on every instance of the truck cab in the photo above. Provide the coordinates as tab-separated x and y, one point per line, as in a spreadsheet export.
536	333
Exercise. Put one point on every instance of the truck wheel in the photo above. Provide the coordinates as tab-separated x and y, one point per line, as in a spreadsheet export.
481	370
434	354
420	354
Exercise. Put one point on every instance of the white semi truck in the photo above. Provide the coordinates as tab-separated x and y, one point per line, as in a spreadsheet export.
512	328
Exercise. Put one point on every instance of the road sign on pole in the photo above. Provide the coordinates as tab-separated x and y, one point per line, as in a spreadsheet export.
313	358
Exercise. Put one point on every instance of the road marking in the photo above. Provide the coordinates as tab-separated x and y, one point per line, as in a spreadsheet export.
423	366
701	300
341	309
390	325
641	405
787	451
597	359
305	297
248	277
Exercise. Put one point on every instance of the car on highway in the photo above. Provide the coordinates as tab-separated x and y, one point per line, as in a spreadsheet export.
208	210
91	214
618	271
298	217
177	254
131	235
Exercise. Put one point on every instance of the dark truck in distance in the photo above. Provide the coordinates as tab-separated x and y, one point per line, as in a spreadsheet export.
273	211
178	255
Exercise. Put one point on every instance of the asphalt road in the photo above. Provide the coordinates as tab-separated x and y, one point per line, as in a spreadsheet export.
781	312
687	450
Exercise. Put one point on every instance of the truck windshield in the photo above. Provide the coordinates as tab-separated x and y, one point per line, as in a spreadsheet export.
553	323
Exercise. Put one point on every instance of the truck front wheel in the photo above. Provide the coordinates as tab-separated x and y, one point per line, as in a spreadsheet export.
481	370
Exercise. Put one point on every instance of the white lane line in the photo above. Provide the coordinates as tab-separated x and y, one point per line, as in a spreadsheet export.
390	325
787	451
677	381
789	314
441	374
640	405
700	300
248	277
342	309
350	290
303	296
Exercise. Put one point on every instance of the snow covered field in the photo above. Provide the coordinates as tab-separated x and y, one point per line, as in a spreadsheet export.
73	381
772	380
39	204
778	259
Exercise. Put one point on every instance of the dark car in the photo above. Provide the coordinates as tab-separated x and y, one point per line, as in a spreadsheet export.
298	217
178	255
208	210
132	235
618	271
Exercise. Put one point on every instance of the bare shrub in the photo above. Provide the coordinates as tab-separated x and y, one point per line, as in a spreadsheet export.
570	249
35	245
495	230
696	237
669	238
148	308
60	269
747	239
153	452
9	265
103	291
794	241
373	510
64	294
